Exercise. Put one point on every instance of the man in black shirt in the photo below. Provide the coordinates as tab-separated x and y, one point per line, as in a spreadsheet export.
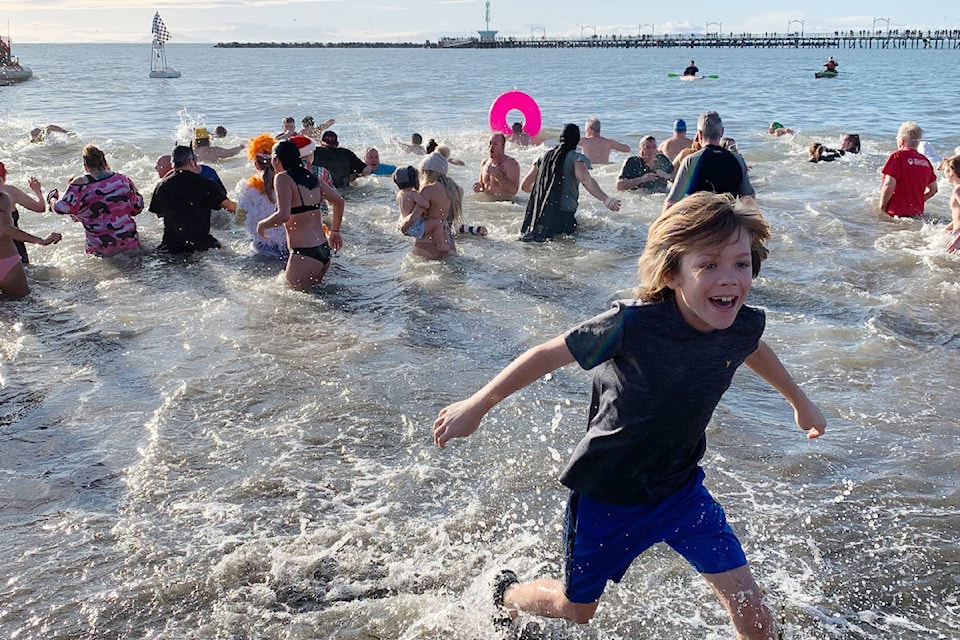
343	164
184	200
713	168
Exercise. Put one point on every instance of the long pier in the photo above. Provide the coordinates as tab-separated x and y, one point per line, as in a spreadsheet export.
911	39
946	39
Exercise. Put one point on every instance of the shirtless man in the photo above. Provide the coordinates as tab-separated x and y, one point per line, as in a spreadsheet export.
677	142
596	147
288	128
777	129
40	134
206	152
499	174
416	145
520	137
13	279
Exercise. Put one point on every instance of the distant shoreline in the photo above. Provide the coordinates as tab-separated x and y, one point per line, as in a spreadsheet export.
864	39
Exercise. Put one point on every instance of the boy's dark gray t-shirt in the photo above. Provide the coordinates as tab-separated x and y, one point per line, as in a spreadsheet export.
656	385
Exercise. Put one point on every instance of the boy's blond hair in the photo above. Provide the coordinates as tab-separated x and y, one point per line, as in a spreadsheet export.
698	221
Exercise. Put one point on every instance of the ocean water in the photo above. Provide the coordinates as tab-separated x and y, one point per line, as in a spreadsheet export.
188	450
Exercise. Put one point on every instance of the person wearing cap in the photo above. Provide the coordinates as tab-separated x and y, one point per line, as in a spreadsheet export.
307	146
206	152
553	183
677	142
831	64
184	199
343	164
499	173
777	129
648	171
25	200
596	147
712	168
908	176
445	199
374	166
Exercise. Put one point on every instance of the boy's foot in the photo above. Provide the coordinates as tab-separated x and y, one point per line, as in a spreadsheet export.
502	622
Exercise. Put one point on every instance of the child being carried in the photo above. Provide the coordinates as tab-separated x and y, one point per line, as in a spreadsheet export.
412	206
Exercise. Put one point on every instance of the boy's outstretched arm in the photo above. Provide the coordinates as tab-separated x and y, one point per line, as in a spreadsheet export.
765	363
460	419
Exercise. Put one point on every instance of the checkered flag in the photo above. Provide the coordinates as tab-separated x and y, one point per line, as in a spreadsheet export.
160	33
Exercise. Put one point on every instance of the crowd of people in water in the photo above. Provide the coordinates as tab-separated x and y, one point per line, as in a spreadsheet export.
655	358
299	174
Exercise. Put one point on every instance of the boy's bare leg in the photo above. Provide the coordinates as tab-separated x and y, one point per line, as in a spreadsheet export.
743	600
544	597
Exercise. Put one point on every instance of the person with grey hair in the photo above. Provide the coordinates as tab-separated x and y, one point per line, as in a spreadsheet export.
596	147
713	168
908	176
647	171
184	200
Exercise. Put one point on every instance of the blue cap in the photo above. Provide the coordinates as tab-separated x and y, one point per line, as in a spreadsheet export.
679	125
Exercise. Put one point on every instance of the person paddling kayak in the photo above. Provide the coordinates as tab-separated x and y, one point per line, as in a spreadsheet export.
691	70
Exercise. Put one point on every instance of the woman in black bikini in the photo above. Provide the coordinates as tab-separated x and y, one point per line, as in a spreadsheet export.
299	198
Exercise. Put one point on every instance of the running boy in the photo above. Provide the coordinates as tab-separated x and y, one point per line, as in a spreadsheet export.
663	362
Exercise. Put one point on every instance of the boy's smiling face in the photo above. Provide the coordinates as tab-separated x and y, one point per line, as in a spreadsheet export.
712	283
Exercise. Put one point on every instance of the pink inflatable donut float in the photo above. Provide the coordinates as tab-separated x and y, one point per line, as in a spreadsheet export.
522	102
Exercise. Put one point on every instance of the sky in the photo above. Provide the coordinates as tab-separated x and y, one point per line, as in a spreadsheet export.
63	21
